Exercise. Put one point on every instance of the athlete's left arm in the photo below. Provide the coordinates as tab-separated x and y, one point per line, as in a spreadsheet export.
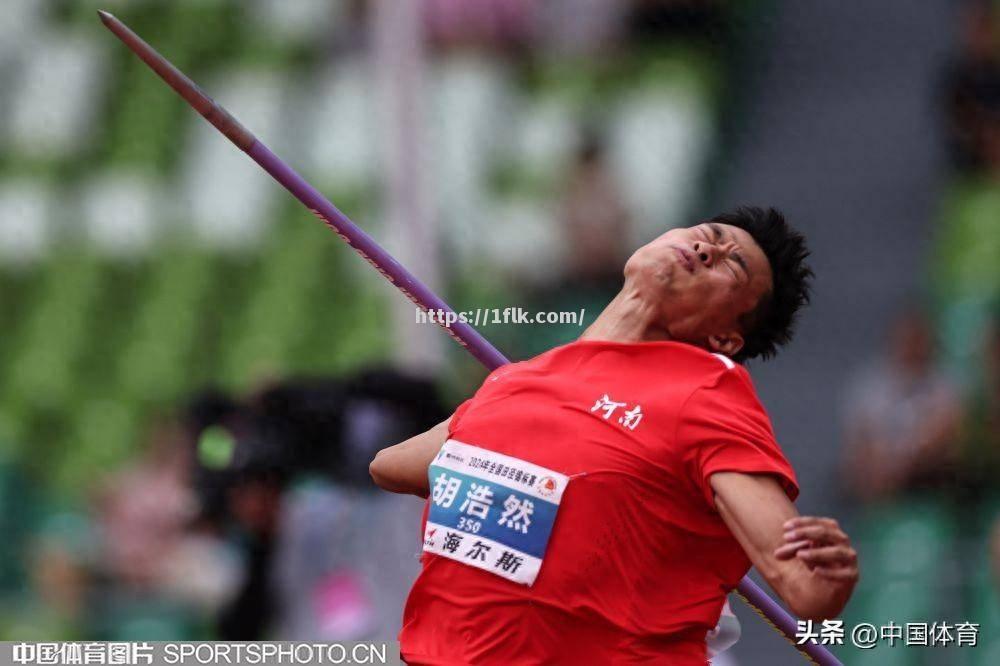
809	562
403	468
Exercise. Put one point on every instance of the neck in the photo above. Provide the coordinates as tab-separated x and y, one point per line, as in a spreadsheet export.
628	318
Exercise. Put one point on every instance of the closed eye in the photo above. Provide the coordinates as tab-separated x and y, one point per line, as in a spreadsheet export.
742	262
736	256
717	233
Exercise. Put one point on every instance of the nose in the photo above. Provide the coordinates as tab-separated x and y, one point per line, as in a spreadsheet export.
706	252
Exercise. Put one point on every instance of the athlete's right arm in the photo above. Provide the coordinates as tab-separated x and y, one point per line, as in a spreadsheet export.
403	468
808	561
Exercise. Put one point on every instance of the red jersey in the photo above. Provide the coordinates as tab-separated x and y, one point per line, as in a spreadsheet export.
622	556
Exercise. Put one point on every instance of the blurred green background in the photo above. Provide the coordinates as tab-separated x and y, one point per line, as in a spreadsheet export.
143	258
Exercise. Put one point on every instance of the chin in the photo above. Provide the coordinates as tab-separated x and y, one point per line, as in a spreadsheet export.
645	266
635	264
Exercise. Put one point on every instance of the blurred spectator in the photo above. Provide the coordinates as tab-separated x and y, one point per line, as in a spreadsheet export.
595	236
903	417
255	499
973	91
594	219
262	515
262	461
346	552
61	561
157	560
144	510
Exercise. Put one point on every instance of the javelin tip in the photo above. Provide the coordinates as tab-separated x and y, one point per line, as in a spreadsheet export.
176	79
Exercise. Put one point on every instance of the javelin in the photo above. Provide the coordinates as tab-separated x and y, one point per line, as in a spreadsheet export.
391	270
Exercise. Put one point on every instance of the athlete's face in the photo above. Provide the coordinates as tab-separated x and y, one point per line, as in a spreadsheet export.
703	278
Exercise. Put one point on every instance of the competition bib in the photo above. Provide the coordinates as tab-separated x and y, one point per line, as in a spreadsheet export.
491	511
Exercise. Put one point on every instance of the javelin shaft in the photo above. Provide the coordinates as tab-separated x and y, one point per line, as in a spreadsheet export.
385	264
320	206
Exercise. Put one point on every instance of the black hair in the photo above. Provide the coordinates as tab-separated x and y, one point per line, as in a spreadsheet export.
771	323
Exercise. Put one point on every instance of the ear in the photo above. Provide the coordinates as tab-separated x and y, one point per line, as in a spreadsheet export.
729	344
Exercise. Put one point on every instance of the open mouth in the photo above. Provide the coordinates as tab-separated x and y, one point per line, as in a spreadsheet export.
685	258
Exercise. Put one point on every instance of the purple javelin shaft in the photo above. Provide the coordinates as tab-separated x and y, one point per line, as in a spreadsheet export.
373	253
320	206
385	264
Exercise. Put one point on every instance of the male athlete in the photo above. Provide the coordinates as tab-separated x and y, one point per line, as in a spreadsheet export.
596	504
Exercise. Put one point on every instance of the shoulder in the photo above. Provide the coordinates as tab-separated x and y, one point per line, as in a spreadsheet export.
724	389
710	371
701	360
661	355
689	377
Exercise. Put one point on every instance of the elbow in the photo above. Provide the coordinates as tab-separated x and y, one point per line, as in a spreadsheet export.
378	469
824	601
392	472
808	595
388	472
813	610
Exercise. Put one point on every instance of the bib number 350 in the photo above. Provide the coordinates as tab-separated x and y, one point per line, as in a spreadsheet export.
469	525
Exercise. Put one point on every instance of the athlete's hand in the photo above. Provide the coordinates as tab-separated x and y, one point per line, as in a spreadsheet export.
821	545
